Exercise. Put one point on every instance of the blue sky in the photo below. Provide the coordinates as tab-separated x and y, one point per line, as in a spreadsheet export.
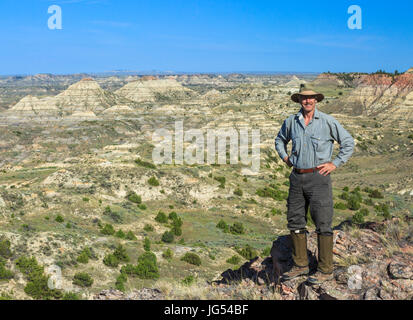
204	36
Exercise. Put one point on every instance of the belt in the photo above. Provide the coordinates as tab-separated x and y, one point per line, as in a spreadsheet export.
306	170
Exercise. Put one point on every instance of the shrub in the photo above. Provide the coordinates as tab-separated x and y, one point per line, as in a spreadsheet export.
172	215
83	257
38	289
108	230
356	195
82	279
234	260
29	267
188	280
238	192
110	260
353	203
145	164
192	258
161	217
4	273
237	228
248	252
168	254
130	236
36	286
383	210
358	218
59	218
168	237
275	211
133	197
269	192
115	216
340	206
148	228
147	244
364	212
128	269
153	182
346	189
120	282
344	196
142	206
147	268
221	181
223	225
71	296
177	222
376	194
120	253
5	251
368	202
177	231
266	252
120	234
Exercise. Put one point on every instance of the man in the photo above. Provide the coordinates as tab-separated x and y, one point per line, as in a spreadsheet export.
312	133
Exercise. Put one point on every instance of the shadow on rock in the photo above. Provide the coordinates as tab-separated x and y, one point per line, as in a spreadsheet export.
257	270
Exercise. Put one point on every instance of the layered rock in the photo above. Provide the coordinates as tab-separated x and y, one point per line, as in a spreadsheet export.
377	95
85	95
80	100
118	109
32	107
150	90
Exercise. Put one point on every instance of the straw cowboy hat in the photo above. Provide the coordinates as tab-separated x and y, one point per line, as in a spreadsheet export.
305	93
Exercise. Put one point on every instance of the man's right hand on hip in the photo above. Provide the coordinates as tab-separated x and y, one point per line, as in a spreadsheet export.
287	161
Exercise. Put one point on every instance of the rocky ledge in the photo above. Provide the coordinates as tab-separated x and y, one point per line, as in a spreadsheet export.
364	268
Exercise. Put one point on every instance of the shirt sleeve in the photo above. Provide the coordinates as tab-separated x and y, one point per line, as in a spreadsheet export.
282	140
346	141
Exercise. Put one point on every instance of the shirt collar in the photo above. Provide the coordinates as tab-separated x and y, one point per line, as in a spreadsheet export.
299	115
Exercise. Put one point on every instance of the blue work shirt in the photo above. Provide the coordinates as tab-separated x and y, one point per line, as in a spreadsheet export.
312	145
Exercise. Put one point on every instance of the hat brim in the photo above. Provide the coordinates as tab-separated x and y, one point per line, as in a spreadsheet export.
296	97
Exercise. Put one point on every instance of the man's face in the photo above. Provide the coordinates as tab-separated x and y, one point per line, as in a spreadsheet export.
308	103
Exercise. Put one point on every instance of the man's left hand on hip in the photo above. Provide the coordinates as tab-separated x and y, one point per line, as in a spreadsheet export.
326	168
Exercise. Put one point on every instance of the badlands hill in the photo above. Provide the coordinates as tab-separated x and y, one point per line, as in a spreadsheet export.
152	89
83	96
385	96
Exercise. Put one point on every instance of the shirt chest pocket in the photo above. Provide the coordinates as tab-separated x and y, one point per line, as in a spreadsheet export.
320	145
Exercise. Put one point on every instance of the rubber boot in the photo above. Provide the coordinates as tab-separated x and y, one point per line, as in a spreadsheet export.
325	260
299	253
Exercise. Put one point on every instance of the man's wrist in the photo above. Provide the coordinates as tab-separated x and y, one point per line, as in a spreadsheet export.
336	163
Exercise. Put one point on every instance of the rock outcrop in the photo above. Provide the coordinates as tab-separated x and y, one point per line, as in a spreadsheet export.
363	270
142	294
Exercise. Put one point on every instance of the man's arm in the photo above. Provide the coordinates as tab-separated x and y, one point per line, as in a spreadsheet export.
281	142
345	140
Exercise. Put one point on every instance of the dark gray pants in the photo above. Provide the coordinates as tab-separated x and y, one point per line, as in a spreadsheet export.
310	190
